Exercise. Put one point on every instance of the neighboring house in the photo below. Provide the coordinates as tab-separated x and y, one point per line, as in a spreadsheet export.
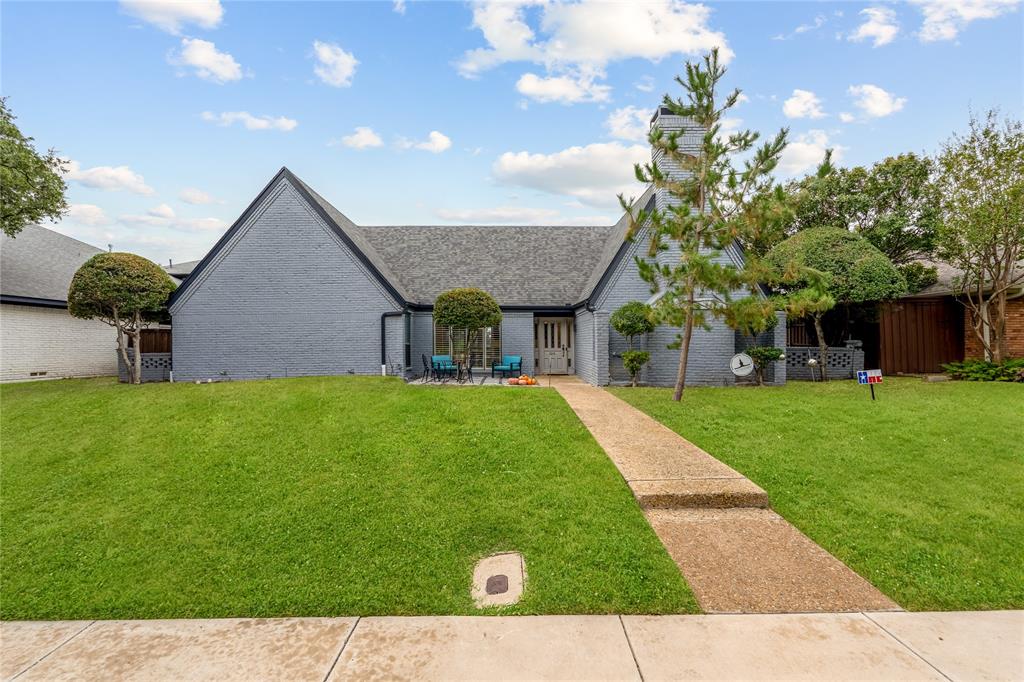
38	338
921	332
295	288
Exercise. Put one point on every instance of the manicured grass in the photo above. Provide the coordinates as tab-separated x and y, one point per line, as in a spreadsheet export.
319	496
921	492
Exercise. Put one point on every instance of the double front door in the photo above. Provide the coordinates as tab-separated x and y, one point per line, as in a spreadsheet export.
553	344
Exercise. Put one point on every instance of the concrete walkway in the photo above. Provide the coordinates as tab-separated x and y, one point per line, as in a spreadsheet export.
737	555
849	646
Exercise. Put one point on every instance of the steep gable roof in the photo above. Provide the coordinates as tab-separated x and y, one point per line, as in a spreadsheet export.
38	264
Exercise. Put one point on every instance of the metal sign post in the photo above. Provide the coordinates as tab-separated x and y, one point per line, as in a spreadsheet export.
870	377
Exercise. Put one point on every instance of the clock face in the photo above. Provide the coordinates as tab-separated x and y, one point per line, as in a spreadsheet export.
741	364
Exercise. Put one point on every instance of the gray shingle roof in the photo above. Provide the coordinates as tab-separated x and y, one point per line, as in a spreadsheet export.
518	265
181	270
39	263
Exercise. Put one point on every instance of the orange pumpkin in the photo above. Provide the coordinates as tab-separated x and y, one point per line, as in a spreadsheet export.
513	381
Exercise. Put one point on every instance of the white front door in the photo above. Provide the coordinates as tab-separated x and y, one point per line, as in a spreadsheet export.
553	344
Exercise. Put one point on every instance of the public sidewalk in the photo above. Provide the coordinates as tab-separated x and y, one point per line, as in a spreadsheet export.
846	646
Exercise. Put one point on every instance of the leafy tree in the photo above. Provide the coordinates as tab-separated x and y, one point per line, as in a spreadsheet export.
469	309
125	291
762	357
981	181
631	320
751	316
824	266
31	186
708	206
894	204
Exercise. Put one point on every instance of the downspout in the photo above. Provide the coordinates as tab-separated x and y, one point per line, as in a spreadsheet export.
383	338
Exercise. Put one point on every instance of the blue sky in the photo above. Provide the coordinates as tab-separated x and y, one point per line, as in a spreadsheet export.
174	115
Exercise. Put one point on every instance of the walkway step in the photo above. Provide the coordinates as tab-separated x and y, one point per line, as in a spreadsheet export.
699	493
754	561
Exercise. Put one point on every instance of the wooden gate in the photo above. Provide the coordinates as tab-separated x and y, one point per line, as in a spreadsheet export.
918	336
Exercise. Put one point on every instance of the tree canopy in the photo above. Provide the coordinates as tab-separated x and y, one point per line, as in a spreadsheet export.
855	270
466	309
981	183
31	185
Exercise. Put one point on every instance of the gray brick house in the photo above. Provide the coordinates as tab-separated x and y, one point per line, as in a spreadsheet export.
295	288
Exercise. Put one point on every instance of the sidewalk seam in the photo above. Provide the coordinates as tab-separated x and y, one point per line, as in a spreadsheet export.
905	646
344	644
631	651
54	649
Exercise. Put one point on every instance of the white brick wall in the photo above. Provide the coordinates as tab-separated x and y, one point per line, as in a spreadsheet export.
50	340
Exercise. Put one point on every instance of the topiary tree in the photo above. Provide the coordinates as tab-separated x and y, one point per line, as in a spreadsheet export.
125	291
762	357
633	319
825	266
469	309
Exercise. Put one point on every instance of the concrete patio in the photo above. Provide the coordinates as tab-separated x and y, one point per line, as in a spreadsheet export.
847	646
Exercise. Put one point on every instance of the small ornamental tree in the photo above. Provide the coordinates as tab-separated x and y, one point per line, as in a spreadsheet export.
752	316
762	357
469	309
825	266
631	320
124	291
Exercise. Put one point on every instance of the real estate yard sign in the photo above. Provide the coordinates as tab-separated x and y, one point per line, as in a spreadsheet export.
870	377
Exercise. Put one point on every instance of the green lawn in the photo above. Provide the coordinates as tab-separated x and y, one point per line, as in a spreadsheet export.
921	492
320	496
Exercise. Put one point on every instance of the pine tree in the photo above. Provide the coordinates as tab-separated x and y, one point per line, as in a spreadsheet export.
709	206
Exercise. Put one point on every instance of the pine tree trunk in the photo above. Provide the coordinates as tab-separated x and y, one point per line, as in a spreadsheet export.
822	347
684	350
137	341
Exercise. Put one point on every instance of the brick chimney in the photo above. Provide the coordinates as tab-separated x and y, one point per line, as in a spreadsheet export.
689	141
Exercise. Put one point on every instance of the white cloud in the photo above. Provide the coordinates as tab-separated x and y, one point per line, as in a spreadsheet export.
334	66
194	195
818	22
742	99
847	117
880	26
564	89
803	104
629	123
944	19
87	214
399	6
516	215
875	102
162	211
362	138
164	216
172	15
109	178
577	40
645	84
729	126
209	63
436	143
594	174
806	151
227	118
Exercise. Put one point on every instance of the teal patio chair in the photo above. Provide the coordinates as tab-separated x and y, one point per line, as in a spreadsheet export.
510	365
443	367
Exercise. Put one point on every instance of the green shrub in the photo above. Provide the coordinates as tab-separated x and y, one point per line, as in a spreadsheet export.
983	370
634	361
762	356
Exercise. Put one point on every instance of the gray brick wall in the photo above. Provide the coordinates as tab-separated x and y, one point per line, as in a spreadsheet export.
155	366
285	298
517	337
422	340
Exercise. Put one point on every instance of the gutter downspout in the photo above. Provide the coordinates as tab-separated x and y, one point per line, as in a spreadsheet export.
383	338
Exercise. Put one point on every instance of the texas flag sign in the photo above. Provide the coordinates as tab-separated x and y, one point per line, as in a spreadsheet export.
869	376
